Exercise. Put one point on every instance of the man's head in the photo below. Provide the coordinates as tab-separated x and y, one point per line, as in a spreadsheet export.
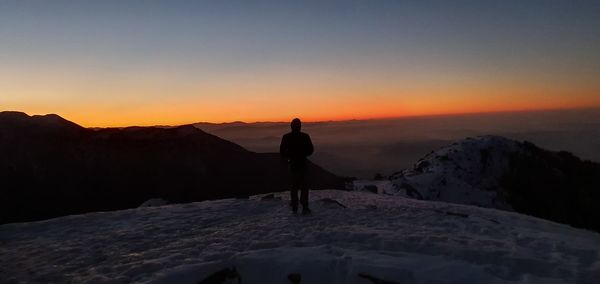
296	124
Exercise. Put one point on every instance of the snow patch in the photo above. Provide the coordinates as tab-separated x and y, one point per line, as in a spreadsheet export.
465	172
389	238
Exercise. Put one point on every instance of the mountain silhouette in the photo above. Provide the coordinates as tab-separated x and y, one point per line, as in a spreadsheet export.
52	167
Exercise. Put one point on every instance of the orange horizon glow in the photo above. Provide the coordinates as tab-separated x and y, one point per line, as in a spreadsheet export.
93	122
280	96
332	103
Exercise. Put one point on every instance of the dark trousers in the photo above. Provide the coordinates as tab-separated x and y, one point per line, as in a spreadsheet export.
299	183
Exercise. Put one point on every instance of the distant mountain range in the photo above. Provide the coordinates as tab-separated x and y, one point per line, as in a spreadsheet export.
52	167
496	172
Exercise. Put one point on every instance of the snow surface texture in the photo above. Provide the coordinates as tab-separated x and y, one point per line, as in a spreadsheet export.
466	172
386	237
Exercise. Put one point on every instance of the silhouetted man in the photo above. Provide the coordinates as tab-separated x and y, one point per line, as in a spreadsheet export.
295	147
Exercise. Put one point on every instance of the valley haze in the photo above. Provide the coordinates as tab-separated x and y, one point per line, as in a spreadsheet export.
363	148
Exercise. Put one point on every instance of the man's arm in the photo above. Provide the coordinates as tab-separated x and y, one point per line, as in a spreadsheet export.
309	146
283	147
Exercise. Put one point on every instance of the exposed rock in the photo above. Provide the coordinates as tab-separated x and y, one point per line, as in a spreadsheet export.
221	276
376	280
295	278
332	201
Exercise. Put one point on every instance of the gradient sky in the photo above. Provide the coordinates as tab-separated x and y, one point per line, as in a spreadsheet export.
116	63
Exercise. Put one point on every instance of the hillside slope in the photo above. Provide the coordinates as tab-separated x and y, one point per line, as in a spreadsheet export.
51	167
351	237
492	171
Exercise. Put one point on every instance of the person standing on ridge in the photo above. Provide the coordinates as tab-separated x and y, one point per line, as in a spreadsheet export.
295	147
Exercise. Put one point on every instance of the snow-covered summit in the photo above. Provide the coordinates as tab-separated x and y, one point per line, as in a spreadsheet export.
352	237
496	172
465	172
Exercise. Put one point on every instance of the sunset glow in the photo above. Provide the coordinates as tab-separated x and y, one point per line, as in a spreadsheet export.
119	63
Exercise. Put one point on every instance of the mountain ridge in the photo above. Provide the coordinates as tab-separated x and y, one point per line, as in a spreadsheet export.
52	167
496	172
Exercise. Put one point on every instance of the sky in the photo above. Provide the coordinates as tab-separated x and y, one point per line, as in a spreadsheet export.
118	63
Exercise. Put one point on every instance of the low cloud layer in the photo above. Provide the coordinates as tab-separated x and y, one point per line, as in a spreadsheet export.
364	148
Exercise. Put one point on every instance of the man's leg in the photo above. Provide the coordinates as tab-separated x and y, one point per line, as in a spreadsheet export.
304	192
294	193
304	198
294	199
